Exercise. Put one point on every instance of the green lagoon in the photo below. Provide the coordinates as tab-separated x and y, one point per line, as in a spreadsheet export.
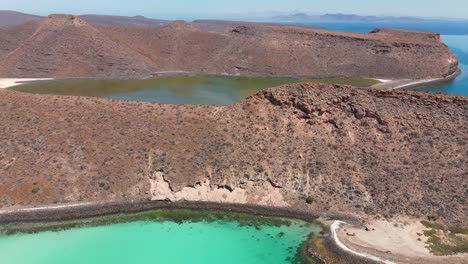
160	242
208	90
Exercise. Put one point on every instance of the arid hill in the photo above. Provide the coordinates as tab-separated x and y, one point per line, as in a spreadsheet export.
354	150
212	25
123	21
67	46
13	18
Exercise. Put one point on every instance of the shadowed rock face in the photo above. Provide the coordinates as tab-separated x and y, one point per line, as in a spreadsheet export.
354	150
65	46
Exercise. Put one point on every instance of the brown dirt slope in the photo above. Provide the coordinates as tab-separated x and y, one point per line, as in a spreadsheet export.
65	46
354	150
13	37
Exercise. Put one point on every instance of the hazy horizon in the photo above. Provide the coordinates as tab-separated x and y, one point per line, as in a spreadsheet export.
243	9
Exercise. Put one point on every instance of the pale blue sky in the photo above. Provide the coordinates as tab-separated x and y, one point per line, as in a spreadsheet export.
187	9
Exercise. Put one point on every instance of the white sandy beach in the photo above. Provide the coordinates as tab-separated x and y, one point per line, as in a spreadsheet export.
389	242
388	84
10	82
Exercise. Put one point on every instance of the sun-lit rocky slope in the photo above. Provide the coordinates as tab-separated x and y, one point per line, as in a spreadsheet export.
353	150
67	46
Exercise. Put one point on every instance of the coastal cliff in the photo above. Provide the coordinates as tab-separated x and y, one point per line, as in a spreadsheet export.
349	150
67	46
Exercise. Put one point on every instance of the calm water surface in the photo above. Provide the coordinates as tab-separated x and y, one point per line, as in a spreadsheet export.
159	243
212	90
228	90
459	47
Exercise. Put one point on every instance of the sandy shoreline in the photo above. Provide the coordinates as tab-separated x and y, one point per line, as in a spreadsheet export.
10	82
389	242
407	83
335	228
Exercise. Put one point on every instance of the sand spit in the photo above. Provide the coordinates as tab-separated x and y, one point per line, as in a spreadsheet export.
389	242
10	82
388	84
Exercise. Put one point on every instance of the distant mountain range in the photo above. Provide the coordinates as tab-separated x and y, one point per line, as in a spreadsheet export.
13	18
123	21
303	17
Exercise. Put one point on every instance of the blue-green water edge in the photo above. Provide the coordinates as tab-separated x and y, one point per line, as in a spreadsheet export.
163	241
459	47
453	33
209	90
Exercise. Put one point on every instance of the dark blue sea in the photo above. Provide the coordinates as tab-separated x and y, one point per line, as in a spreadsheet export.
453	33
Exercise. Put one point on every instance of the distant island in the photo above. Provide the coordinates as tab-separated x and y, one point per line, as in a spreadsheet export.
303	17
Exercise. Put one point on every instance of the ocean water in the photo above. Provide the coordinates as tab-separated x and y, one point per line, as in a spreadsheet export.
453	33
153	242
441	27
459	46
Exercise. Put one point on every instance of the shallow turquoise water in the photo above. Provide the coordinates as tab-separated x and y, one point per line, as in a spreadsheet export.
158	242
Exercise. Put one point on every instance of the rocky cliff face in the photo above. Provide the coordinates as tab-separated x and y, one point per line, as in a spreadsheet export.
65	46
354	150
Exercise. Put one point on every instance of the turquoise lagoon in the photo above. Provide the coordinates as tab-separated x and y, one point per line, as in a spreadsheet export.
160	242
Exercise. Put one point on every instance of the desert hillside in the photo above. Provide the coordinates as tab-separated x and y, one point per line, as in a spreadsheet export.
13	18
353	150
67	46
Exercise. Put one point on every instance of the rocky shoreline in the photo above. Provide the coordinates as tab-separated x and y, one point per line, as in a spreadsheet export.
80	211
26	218
327	248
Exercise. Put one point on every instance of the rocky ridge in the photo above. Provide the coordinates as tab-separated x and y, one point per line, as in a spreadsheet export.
67	46
356	151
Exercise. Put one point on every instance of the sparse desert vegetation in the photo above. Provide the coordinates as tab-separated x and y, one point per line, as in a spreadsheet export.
446	240
48	48
298	139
